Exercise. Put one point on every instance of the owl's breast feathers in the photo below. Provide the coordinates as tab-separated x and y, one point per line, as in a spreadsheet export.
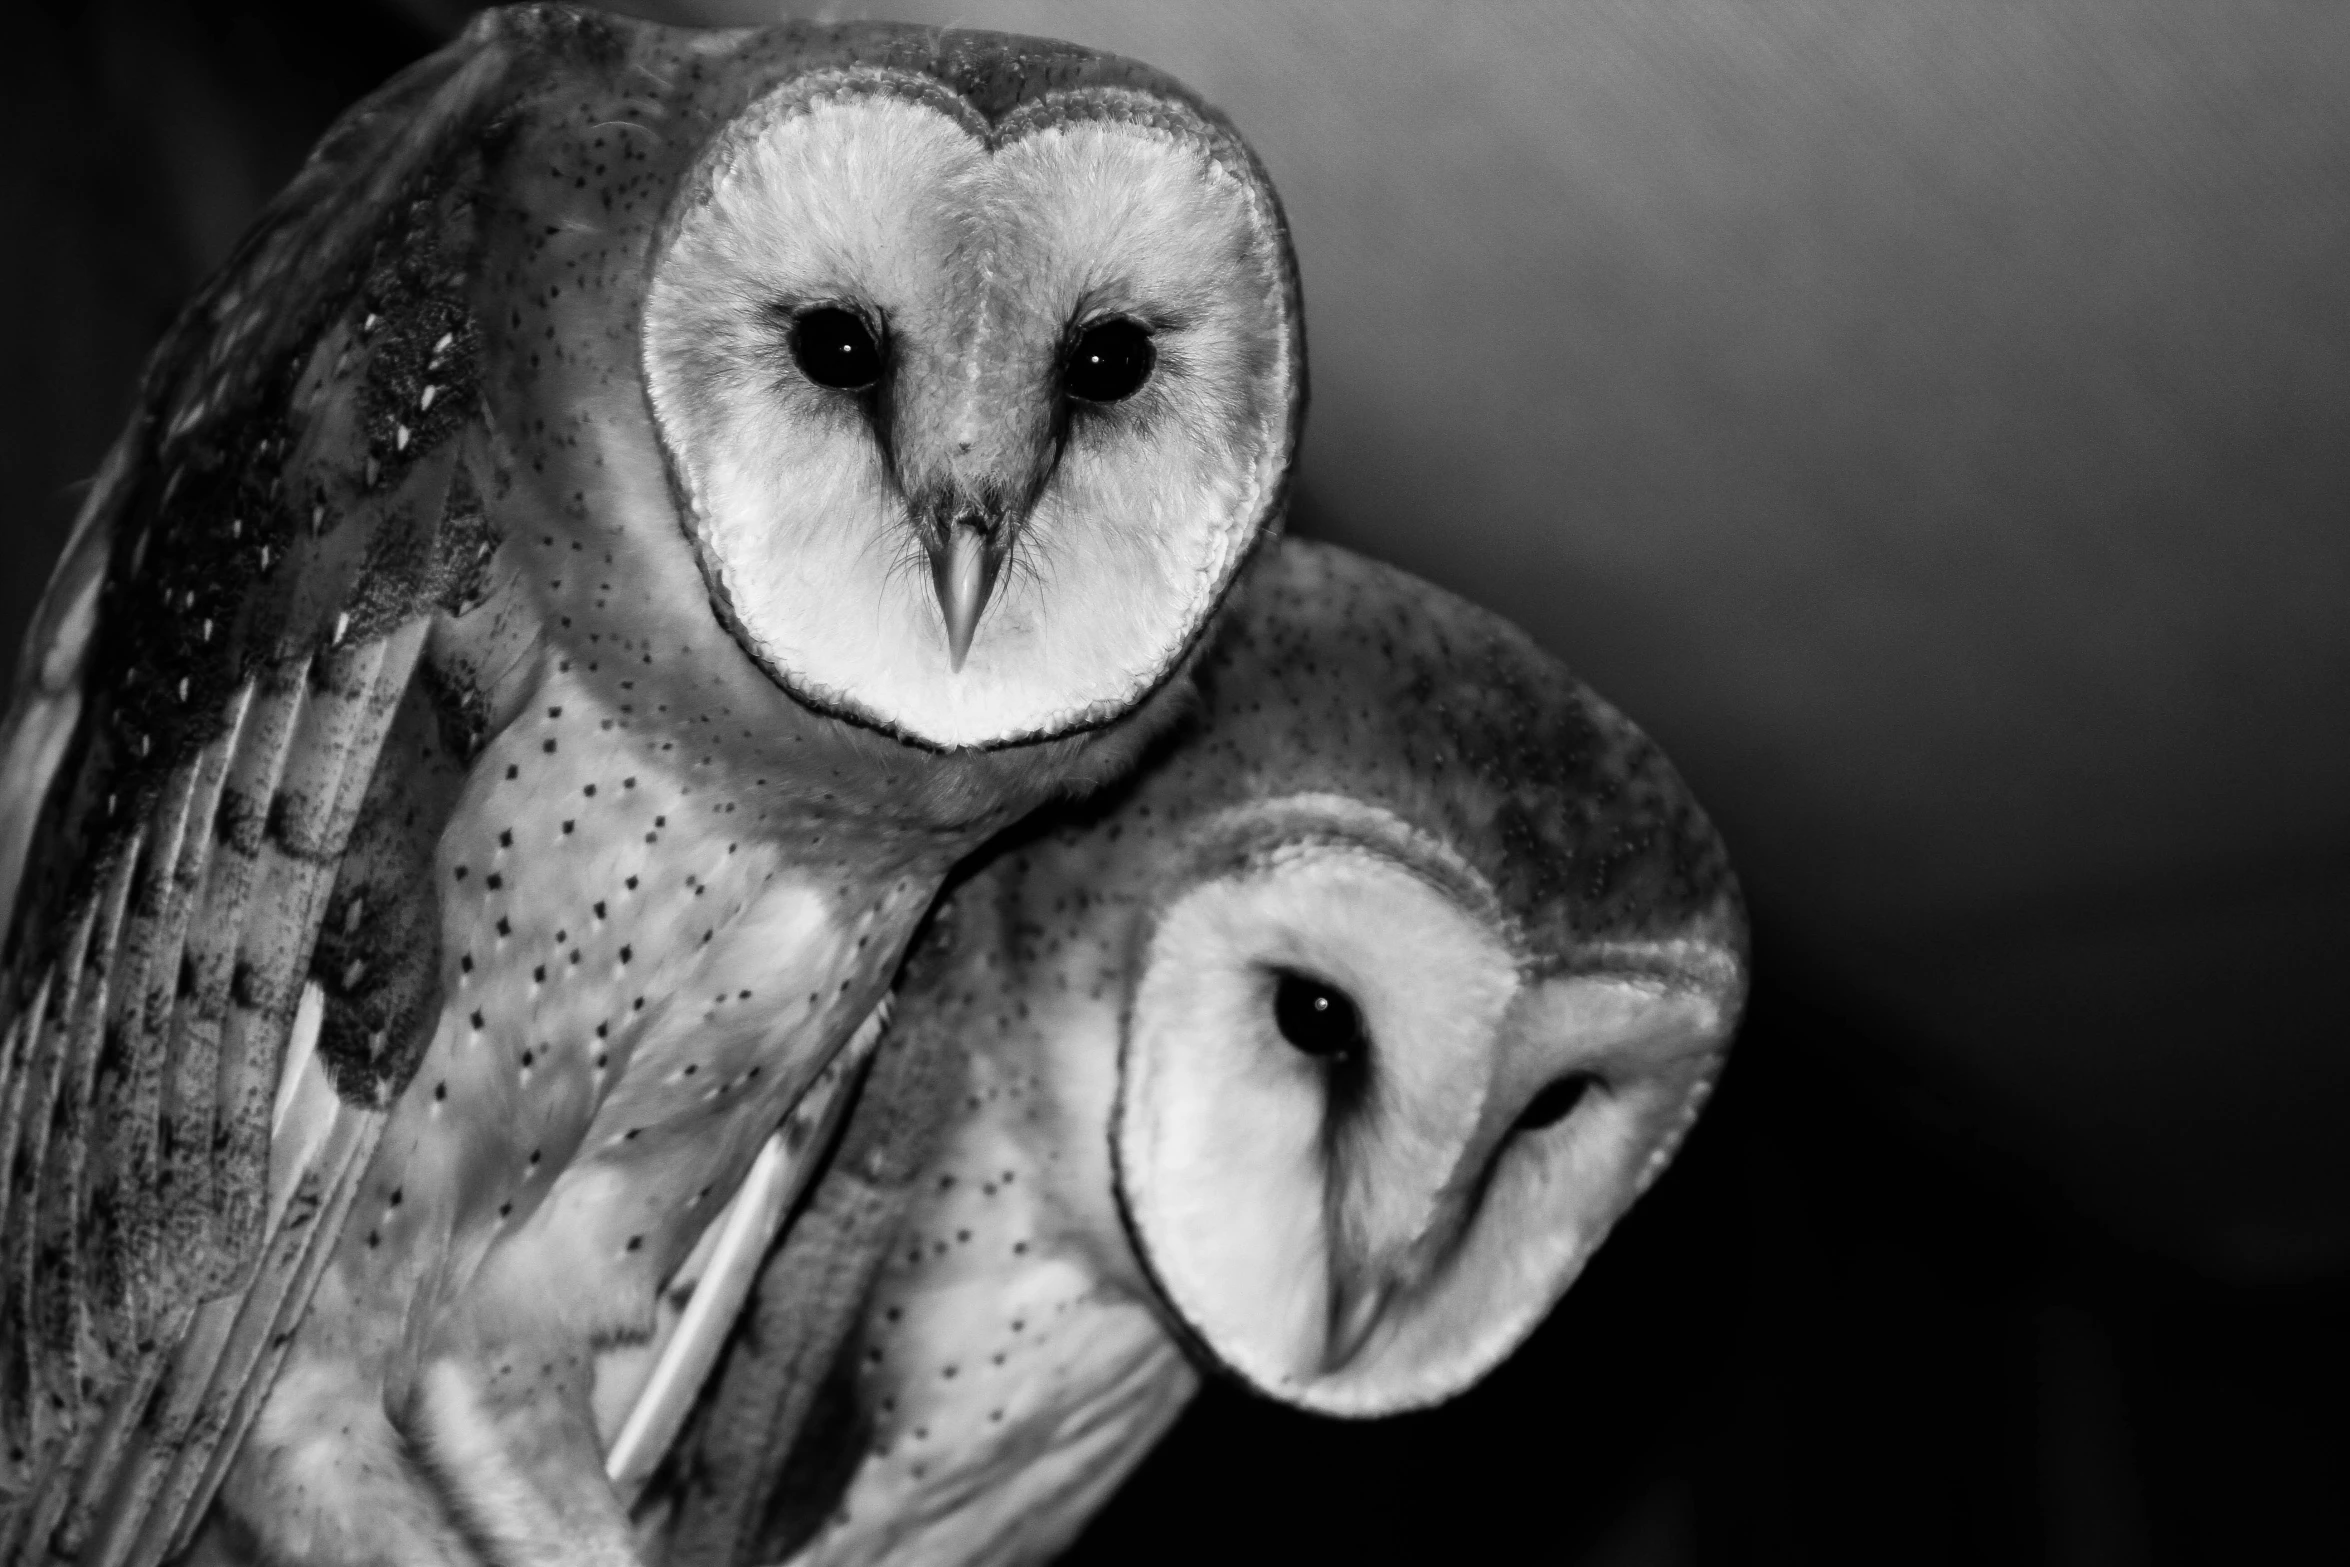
646	956
1009	1367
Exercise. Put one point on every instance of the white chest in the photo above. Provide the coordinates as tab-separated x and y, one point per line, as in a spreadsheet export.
644	962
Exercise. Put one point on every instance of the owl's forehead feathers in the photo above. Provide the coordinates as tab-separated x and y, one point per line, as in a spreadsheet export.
678	93
1334	674
1258	836
1004	84
1007	82
1113	133
997	72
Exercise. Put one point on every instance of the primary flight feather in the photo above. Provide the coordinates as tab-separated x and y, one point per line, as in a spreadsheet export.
637	509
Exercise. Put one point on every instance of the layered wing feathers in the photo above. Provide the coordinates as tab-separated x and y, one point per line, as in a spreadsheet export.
772	1443
200	726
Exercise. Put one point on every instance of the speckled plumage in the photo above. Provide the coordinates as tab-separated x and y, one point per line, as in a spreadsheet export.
385	662
973	1390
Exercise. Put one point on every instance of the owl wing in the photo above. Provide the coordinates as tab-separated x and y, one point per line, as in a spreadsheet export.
218	691
768	1452
737	1243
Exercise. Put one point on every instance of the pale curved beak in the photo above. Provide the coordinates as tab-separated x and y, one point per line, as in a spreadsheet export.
1354	1313
965	559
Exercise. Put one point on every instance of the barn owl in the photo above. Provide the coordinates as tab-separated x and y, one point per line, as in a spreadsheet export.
1320	1056
636	511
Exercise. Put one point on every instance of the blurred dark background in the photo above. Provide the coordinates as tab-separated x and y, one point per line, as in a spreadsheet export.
1931	419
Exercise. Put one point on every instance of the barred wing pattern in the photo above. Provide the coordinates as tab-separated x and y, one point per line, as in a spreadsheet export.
218	746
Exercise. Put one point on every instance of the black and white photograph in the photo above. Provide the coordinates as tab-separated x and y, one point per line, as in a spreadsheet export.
914	785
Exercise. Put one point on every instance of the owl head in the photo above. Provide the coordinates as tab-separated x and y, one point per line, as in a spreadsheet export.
979	367
1435	958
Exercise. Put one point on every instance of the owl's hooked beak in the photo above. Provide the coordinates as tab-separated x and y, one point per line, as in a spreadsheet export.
966	553
1354	1312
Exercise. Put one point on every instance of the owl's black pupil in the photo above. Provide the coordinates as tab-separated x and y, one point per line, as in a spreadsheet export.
833	347
1110	360
1317	1018
1556	1101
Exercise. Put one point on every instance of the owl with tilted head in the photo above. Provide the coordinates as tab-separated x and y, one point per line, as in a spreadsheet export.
634	512
1319	1055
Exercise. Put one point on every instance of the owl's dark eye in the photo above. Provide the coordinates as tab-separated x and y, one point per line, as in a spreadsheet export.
1556	1101
1318	1018
1109	361
833	347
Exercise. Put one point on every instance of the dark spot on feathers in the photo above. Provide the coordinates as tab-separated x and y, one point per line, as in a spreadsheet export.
281	807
